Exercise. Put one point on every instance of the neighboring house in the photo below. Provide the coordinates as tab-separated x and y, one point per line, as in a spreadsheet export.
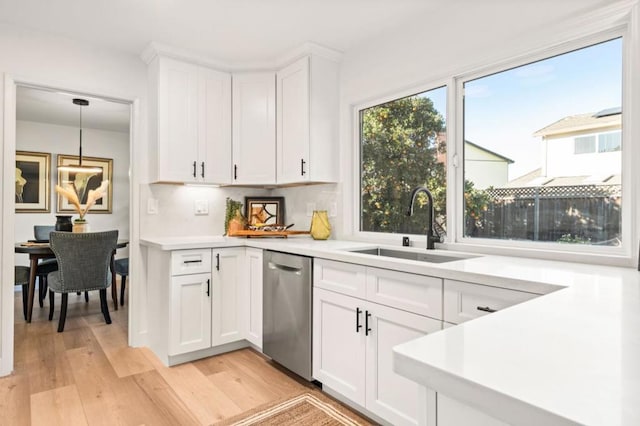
485	168
583	145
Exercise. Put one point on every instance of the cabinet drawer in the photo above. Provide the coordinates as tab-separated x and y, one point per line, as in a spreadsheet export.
419	294
465	301
185	262
345	278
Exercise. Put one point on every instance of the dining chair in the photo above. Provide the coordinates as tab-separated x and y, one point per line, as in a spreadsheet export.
21	278
122	269
84	261
45	266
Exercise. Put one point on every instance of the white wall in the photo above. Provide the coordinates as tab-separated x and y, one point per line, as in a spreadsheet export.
56	139
562	160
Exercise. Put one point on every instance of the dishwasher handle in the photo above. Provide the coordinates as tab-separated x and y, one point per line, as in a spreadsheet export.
285	268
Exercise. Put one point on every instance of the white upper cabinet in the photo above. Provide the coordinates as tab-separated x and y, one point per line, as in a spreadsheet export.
254	129
307	127
191	122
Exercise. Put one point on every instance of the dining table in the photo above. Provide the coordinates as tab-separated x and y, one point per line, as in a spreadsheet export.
42	250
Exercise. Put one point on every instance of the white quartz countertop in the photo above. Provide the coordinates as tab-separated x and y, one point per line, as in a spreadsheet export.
570	356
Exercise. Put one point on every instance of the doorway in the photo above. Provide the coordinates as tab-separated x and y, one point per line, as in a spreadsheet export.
47	124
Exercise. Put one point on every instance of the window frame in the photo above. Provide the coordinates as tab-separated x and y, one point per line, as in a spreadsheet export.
570	252
595	28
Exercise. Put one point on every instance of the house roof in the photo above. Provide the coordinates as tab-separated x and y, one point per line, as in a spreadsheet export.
535	178
495	154
611	117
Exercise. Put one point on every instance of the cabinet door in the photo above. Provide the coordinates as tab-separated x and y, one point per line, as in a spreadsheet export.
390	395
190	316
338	344
254	270
254	128
214	127
293	123
454	413
177	121
229	296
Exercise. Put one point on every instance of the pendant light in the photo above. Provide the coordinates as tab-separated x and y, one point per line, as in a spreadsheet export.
79	168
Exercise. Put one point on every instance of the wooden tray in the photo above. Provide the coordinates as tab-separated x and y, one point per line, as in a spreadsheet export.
261	234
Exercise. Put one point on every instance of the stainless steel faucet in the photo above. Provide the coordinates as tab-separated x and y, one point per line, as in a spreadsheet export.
432	235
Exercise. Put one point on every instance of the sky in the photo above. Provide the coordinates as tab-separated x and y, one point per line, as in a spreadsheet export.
503	110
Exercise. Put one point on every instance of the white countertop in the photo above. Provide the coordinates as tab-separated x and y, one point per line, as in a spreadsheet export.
571	356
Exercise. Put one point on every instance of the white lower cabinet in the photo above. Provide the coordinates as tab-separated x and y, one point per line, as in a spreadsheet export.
451	412
229	296
353	340
190	315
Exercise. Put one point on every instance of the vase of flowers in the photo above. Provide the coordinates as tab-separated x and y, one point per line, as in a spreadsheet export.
71	194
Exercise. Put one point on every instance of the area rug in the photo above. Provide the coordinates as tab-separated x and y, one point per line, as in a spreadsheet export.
302	410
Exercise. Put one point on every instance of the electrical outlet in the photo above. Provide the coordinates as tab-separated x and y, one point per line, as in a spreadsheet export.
152	206
201	207
333	209
310	208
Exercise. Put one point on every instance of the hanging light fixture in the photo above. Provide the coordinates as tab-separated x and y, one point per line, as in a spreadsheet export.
80	168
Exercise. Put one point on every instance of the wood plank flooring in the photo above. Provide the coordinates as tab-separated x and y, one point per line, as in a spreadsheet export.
87	375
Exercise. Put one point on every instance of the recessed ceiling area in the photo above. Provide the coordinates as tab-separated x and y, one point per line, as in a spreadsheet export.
51	107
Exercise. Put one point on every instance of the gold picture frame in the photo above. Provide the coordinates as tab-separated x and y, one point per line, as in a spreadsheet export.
33	182
267	210
103	205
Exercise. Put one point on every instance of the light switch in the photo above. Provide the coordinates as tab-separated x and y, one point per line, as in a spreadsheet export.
152	206
201	207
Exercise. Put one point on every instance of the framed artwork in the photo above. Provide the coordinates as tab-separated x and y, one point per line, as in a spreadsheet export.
268	210
33	182
84	182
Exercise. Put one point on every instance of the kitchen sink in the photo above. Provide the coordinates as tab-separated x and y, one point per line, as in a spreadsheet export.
412	255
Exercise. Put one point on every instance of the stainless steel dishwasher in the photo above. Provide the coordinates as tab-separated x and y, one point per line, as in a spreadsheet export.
286	329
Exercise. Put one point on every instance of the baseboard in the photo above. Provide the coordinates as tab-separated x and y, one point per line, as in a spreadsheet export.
204	353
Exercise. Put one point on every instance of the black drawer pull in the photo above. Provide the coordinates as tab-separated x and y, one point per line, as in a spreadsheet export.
302	163
367	330
486	309
208	287
235	172
194	169
203	169
192	261
358	325
217	261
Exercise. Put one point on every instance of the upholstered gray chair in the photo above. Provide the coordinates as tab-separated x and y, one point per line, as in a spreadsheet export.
84	260
21	278
46	266
122	269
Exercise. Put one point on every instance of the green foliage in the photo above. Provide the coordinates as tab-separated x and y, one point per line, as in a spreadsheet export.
400	151
476	202
232	206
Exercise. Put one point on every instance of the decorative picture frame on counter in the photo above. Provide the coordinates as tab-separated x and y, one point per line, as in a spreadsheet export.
264	210
33	182
83	184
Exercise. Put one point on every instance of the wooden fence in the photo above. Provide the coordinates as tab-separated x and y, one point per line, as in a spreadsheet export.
587	214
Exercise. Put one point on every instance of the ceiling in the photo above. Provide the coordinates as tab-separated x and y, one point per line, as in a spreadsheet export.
239	31
52	107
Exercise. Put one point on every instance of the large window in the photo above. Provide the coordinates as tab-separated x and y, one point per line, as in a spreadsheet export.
542	150
402	145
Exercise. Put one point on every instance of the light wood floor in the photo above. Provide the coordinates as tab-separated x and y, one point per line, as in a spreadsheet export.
88	375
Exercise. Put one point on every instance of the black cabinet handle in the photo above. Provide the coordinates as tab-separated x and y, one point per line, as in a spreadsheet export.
358	325
486	309
208	287
235	172
367	330
217	261
194	169
202	169
302	163
193	261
